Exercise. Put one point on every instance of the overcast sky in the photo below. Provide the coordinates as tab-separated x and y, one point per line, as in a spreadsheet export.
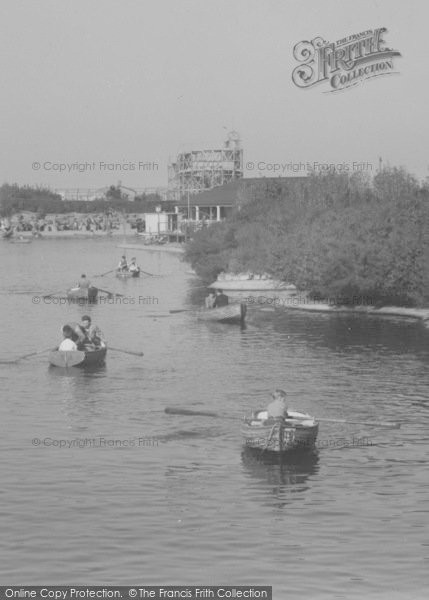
138	80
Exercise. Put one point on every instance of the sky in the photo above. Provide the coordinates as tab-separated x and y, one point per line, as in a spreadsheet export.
137	81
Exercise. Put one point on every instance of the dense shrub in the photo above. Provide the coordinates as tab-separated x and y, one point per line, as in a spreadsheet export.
336	236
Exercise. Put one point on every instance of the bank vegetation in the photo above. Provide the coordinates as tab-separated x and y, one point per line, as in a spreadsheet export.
336	236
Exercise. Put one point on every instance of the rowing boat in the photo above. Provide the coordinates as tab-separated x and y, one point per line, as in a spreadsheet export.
297	432
252	285
232	313
127	274
77	358
83	294
20	241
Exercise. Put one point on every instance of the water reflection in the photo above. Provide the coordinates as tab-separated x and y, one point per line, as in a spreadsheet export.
280	474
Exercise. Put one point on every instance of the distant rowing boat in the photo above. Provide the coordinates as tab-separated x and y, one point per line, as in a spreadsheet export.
232	313
83	294
77	358
297	432
20	241
127	274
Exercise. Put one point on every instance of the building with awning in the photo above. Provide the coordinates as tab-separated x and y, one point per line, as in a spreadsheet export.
218	203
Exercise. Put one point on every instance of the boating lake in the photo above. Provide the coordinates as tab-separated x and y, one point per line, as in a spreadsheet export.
174	500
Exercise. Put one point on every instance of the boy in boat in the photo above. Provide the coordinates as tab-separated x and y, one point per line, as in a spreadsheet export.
67	344
220	300
93	336
277	409
83	282
133	268
123	266
210	299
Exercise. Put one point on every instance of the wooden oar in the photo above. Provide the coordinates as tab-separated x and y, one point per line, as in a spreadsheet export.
110	293
185	411
52	294
179	310
126	351
5	362
369	423
196	413
150	274
106	273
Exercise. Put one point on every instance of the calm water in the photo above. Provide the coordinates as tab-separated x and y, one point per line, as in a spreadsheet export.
185	505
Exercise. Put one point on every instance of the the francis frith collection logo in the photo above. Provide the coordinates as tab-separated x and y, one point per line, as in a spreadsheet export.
344	63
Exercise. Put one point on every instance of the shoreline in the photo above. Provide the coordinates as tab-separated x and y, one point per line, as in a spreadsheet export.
305	304
153	248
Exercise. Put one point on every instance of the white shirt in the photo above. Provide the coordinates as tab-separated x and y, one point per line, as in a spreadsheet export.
67	344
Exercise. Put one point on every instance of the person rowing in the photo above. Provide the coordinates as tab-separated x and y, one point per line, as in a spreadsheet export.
277	409
123	265
93	336
83	282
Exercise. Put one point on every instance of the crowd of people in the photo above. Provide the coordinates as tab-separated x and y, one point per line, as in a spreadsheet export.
68	222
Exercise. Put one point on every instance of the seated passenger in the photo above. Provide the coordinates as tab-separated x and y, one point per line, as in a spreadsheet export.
210	299
221	299
67	344
132	268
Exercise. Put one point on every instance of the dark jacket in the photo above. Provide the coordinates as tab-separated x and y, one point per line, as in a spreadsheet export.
220	300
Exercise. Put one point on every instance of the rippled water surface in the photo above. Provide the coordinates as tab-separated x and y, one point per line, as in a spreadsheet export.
171	499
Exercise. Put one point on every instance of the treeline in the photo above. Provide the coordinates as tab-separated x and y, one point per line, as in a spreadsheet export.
337	236
14	199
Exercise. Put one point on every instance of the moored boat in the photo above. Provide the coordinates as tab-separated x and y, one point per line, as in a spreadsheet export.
232	313
250	282
77	358
297	432
83	294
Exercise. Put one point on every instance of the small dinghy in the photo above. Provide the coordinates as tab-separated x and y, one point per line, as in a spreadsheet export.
296	432
127	274
232	313
83	294
77	358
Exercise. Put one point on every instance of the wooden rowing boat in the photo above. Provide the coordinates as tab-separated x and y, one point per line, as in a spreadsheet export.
232	313
77	358
251	285
297	432
83	294
127	274
20	241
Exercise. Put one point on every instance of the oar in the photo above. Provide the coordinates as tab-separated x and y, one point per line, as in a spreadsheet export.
52	294
185	411
106	273
369	423
196	413
126	351
179	310
110	293
150	274
5	362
